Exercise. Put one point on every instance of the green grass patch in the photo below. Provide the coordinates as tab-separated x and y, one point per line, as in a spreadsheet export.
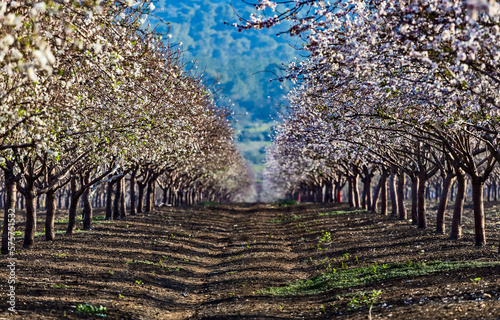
369	274
286	203
80	219
91	310
158	264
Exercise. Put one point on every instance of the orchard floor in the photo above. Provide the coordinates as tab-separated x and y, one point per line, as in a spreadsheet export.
215	262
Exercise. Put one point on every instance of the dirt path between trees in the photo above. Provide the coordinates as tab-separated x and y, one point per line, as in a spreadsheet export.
214	262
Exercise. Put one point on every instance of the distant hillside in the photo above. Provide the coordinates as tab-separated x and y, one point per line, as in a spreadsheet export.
237	59
244	63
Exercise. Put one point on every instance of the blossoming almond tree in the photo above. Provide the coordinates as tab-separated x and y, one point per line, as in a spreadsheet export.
431	76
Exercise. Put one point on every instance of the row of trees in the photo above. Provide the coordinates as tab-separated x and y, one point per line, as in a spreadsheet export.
90	94
401	89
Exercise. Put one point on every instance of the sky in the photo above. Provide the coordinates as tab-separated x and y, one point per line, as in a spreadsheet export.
238	60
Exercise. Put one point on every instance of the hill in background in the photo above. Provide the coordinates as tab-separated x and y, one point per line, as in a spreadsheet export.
243	63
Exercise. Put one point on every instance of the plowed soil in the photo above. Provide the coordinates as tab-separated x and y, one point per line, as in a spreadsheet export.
214	262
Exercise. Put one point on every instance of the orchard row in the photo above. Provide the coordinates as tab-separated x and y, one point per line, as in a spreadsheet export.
91	95
408	89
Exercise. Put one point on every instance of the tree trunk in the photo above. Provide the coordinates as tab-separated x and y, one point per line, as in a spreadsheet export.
422	187
118	195
376	196
51	203
443	202
29	233
401	196
383	191
456	224
140	199
355	190
479	221
351	192
9	209
392	189
87	205
109	201
150	195
73	207
495	197
123	205
133	208
367	193
414	200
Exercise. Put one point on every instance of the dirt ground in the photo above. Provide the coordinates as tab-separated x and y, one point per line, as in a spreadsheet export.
213	262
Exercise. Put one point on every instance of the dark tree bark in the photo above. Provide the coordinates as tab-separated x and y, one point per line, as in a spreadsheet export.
118	195
401	196
383	191
422	186
479	220
150	195
87	205
140	198
414	200
29	233
443	202
133	208
376	196
367	188
456	223
109	201
392	189
123	207
73	206
50	234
